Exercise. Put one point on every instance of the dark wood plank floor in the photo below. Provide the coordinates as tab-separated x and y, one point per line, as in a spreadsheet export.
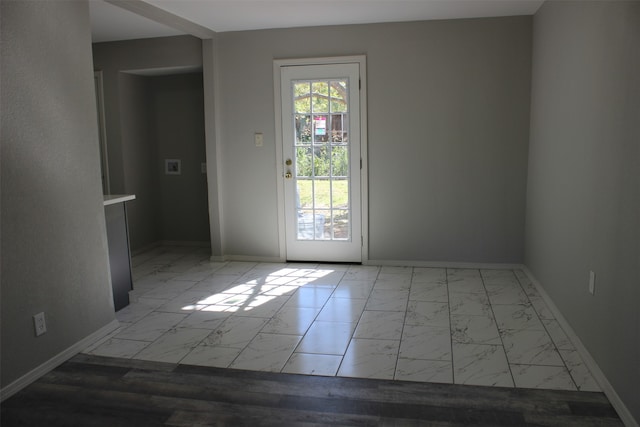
100	391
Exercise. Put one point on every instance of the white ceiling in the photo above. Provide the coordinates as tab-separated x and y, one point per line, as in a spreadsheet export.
110	22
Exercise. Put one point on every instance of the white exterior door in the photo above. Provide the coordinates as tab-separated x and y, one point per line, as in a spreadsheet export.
321	150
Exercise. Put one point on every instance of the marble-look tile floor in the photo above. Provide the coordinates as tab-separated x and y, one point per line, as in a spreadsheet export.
462	326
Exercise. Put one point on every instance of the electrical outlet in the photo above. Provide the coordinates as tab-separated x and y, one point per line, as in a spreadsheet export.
592	283
39	324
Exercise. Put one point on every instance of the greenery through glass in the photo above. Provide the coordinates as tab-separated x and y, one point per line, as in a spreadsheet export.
322	155
327	161
323	93
323	192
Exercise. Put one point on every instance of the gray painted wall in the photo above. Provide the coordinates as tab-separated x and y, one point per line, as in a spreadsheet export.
178	124
137	140
447	114
583	197
139	160
448	132
54	244
145	54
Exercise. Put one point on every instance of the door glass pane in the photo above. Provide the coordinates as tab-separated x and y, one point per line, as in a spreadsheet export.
338	96
303	128
323	217
321	161
340	224
320	92
337	128
339	161
308	227
304	195
340	194
302	97
320	124
322	194
303	162
321	120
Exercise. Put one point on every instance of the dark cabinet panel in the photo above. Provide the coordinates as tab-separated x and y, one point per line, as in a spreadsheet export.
119	255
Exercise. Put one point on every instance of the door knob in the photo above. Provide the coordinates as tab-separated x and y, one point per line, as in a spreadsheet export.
287	175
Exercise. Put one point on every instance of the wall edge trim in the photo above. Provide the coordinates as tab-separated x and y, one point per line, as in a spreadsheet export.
44	368
444	264
622	410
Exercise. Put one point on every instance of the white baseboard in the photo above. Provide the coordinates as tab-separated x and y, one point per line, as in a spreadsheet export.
50	364
144	249
596	372
391	263
195	244
248	258
161	243
443	264
489	266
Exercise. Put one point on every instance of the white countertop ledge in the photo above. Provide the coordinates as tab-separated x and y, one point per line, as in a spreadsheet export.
112	199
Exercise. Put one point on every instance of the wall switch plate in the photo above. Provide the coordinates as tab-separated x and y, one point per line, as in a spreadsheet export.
259	139
592	283
203	167
39	324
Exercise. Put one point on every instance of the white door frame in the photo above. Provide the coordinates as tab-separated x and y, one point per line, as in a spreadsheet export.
364	195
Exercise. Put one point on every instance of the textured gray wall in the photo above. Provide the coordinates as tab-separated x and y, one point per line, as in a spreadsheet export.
178	123
144	54
448	132
134	135
583	198
54	244
139	159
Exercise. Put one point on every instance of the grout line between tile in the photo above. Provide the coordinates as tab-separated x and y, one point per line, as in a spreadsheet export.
181	260
504	350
